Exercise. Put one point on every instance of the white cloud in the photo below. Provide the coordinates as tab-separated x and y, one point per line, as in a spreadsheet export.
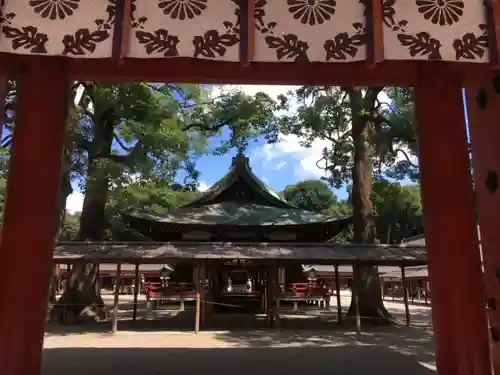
305	159
203	186
289	147
280	165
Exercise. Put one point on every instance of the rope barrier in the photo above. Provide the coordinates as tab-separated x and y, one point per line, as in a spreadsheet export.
326	312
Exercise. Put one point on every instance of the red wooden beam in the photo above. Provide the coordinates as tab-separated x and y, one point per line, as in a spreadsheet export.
485	139
121	31
188	70
32	204
374	32
247	31
493	22
459	319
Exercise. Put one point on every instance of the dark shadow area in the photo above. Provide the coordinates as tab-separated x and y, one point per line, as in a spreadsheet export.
416	342
339	360
309	318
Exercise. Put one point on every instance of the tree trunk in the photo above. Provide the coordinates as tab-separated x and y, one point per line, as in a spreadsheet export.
366	281
92	220
81	300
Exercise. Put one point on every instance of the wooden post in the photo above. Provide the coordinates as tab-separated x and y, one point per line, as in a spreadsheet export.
277	304
485	141
337	292
382	291
68	274
265	297
270	281
197	316
137	286
450	223
405	296
354	293
53	284
410	290
276	293
426	291
201	289
32	203
114	327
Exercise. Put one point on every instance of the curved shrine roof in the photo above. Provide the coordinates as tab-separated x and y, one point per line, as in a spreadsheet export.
231	213
239	198
240	169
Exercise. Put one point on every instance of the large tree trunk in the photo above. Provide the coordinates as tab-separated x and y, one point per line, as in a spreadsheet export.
92	220
366	281
82	296
81	300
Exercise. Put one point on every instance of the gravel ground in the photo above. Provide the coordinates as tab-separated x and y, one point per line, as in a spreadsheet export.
334	350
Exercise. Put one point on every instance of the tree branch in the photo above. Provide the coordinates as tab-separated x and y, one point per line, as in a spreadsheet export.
203	126
120	143
407	157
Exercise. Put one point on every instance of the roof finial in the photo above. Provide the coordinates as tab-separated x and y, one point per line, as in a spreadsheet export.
240	159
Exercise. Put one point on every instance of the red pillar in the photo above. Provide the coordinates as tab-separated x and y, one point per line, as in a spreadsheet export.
458	313
29	223
484	131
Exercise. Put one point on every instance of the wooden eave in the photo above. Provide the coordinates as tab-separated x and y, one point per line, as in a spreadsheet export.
189	252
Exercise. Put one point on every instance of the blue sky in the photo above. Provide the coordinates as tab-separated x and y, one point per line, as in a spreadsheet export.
278	165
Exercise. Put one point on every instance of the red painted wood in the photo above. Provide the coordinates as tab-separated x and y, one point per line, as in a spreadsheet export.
30	214
395	73
458	313
485	139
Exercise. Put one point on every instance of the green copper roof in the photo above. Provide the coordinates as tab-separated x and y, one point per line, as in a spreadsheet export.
222	204
240	169
231	213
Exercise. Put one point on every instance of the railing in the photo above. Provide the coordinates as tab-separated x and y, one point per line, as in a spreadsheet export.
306	290
157	289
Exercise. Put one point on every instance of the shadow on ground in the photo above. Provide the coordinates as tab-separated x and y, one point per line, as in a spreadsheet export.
185	321
414	342
340	360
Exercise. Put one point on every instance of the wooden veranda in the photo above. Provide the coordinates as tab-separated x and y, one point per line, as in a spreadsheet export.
203	255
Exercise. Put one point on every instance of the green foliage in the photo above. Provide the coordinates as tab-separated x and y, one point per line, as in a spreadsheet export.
130	127
397	208
246	117
312	195
387	129
69	227
133	139
398	211
157	129
393	199
155	197
398	138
